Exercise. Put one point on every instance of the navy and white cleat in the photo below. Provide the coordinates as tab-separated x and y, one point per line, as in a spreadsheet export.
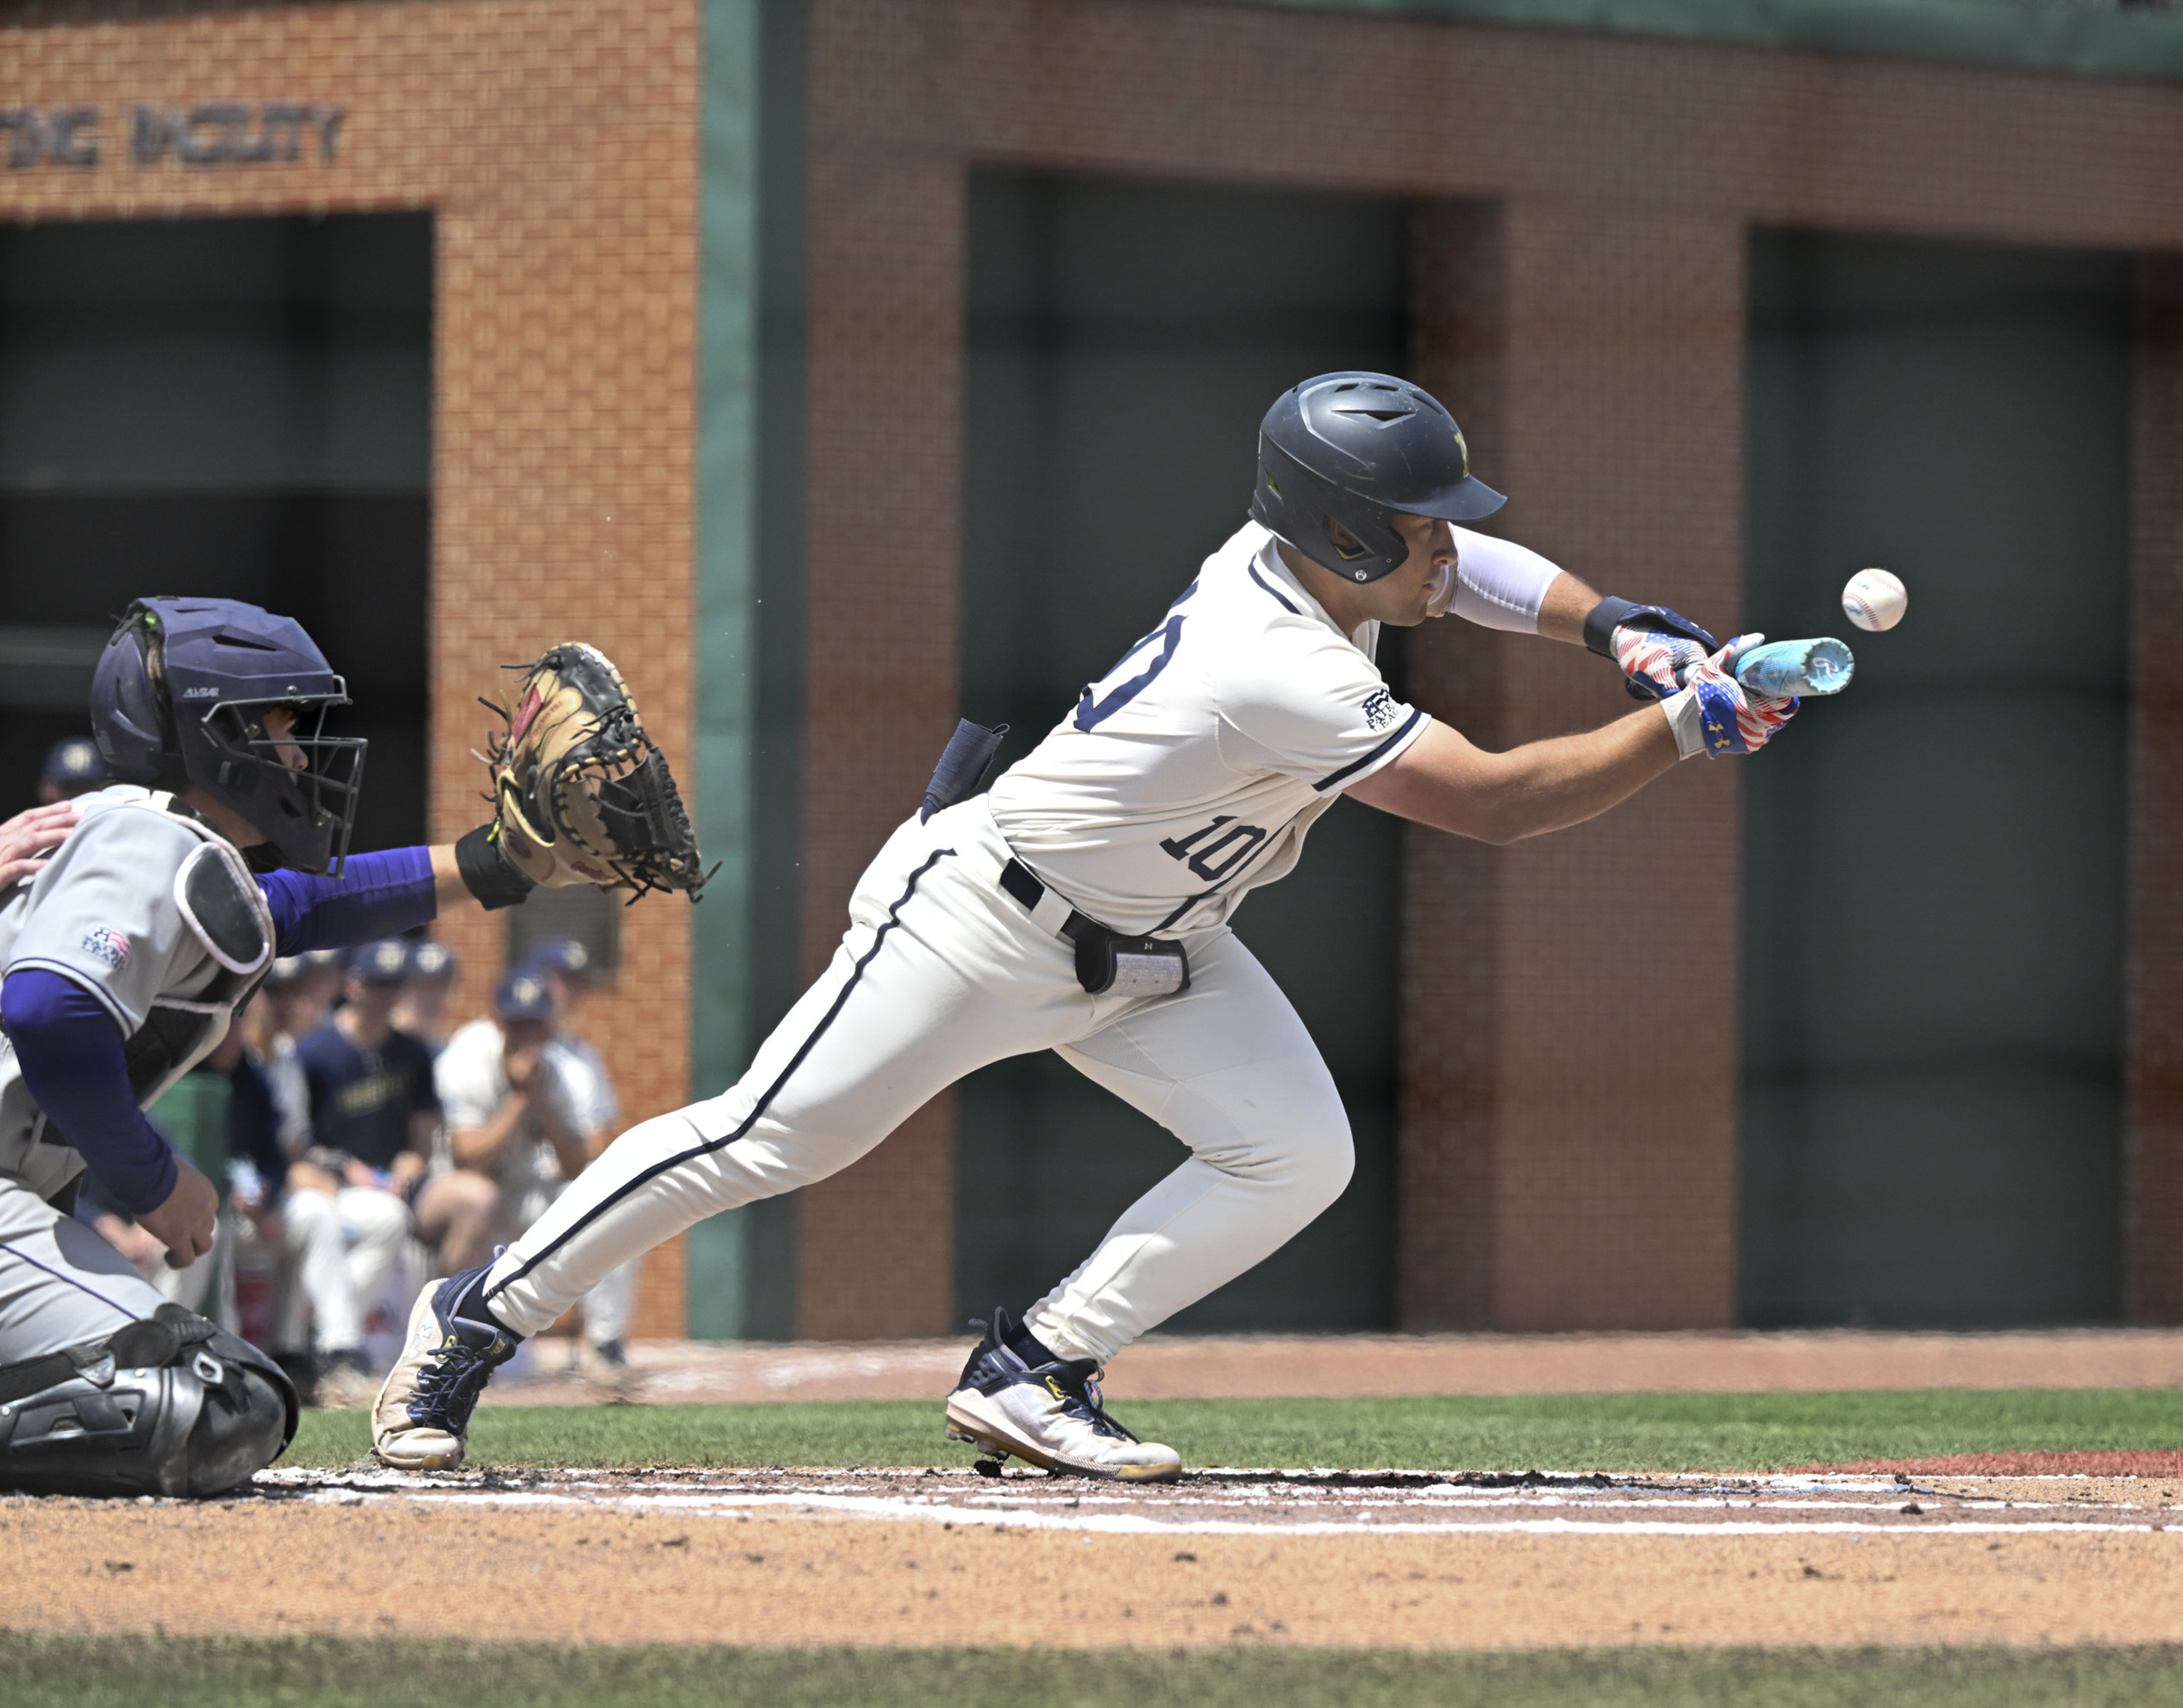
1048	1414
422	1419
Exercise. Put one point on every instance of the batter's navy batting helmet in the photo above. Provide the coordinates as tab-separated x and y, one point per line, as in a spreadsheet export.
1358	450
180	695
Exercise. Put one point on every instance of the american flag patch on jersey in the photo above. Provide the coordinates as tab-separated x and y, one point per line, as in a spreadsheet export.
103	942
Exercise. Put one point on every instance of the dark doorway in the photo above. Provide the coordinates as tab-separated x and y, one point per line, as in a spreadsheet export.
238	407
1125	339
1933	865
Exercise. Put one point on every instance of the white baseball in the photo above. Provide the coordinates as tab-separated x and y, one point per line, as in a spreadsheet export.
1875	600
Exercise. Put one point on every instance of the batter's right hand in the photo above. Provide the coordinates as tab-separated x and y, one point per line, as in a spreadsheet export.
37	831
1731	718
184	1223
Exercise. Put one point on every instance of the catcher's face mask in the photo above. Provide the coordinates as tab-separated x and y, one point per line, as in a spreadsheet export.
280	769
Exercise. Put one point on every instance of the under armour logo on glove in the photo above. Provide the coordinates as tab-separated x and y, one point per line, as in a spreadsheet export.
1732	719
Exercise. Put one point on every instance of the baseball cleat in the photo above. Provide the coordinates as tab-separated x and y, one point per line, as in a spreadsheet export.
422	1419
1048	1414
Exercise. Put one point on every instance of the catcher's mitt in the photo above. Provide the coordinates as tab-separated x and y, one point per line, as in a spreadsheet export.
580	793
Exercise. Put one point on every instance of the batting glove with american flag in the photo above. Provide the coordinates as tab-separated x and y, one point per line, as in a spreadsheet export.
1657	649
1728	717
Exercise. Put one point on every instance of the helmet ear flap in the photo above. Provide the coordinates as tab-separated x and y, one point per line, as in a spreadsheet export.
131	719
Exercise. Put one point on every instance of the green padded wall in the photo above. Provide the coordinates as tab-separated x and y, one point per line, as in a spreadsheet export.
1933	864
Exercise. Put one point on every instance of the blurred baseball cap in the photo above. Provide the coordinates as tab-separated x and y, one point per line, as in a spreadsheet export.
318	960
561	954
429	958
384	962
75	760
284	971
523	995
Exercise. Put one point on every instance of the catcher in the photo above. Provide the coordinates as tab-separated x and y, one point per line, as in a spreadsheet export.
220	845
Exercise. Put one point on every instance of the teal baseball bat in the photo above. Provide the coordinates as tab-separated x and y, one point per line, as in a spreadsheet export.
1782	668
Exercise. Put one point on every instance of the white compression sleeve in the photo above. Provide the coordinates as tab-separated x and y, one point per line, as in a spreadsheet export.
1499	584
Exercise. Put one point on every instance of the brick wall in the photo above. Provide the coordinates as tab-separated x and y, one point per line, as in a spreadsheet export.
555	142
1569	1142
875	1245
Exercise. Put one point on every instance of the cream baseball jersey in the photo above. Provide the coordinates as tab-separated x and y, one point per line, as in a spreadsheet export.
1189	774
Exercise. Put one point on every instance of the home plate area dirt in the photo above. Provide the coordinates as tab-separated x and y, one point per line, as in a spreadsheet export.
948	1557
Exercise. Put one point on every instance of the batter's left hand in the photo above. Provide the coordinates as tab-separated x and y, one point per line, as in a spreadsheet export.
36	832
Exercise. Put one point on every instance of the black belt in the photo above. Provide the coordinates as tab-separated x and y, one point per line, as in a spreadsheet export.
1017	881
1105	961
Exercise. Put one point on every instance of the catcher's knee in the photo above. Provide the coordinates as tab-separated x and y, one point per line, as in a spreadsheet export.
170	1405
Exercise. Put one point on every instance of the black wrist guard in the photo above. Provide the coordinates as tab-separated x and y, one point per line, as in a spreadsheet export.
487	873
1606	617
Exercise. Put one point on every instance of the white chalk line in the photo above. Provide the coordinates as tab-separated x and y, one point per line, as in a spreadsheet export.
892	1510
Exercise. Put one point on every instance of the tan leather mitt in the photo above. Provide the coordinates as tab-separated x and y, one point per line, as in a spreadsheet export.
580	793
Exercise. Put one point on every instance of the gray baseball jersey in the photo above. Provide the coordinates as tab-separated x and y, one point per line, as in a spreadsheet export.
155	915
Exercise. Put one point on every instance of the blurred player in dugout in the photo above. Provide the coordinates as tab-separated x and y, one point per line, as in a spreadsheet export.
72	768
365	1184
529	1104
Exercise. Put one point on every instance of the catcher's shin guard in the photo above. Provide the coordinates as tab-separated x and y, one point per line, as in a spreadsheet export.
173	1406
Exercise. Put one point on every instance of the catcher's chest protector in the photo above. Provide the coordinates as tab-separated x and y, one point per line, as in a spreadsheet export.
154	913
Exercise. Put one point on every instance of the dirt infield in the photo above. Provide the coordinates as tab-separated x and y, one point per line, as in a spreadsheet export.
1385	1560
2021	1548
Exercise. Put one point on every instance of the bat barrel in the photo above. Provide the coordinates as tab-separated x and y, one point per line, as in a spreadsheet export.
1781	669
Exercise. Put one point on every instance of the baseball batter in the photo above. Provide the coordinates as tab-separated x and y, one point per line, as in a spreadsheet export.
127	954
1083	906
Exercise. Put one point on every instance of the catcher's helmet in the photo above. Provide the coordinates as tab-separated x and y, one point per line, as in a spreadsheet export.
1360	449
181	694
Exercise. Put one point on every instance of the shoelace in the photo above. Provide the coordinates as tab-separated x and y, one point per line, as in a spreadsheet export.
448	1386
1086	1401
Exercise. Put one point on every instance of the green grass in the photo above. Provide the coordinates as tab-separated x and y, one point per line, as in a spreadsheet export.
1617	1432
174	1673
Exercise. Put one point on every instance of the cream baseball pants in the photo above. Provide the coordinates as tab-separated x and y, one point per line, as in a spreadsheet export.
940	973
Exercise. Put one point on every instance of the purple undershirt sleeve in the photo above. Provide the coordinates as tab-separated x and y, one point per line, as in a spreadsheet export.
70	1052
377	895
